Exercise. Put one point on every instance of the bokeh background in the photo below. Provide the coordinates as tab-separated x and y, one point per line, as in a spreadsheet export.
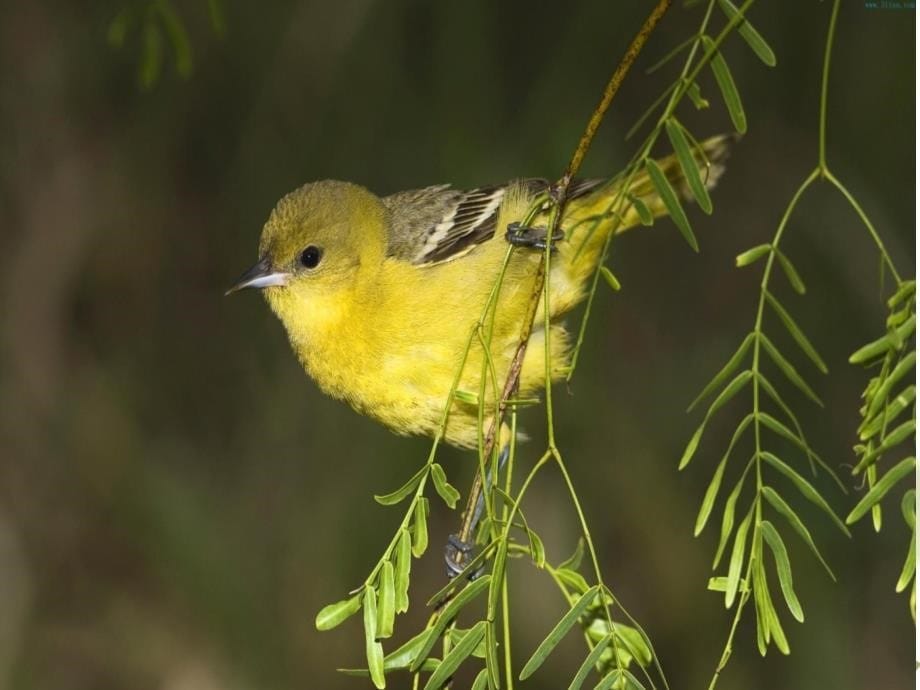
177	500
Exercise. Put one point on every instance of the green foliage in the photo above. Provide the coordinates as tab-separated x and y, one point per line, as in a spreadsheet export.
757	513
884	406
884	430
152	19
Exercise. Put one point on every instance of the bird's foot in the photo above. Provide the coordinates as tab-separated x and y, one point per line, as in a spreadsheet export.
534	238
457	557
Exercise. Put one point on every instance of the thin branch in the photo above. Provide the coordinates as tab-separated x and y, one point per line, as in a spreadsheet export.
559	192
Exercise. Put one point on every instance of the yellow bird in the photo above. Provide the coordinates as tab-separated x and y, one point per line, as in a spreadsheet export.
380	295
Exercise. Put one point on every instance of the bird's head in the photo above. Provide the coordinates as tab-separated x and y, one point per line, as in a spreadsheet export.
316	245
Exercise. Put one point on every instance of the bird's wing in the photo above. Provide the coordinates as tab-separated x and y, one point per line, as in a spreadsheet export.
438	224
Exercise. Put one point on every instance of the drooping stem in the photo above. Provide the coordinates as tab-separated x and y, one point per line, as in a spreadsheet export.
559	192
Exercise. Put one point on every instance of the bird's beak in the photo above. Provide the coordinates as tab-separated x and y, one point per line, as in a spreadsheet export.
261	275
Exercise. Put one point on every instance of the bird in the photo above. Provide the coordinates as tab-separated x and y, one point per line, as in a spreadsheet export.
383	297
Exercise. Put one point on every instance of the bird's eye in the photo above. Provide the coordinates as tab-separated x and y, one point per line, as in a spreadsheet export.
309	257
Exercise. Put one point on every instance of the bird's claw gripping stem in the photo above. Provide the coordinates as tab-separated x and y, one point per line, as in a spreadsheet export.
457	550
457	557
534	238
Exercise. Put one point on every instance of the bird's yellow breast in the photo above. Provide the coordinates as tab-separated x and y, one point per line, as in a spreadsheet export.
391	344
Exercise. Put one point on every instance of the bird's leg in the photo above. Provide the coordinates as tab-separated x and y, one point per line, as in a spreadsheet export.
460	546
534	238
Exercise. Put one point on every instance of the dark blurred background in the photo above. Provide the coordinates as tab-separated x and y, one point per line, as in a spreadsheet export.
177	500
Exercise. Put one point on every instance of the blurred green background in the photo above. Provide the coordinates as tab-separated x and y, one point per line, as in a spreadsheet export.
177	500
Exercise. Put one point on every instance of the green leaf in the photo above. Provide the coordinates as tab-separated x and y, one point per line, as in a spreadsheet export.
400	659
790	371
877	492
403	566
796	332
783	568
756	42
691	447
783	508
727	86
806	489
910	564
466	397
611	279
894	438
767	621
671	202
573	562
558	632
877	347
812	456
118	28
727	394
880	396
728	520
620	679
443	487
713	489
782	430
905	290
890	412
482	681
761	601
696	97
903	332
737	560
898	317
720	584
573	580
448	613
537	551
395	497
334	614
730	366
730	391
453	635
645	215
493	670
386	603
709	497
792	275
178	36
216	15
751	255
688	164
872	477
430	665
373	648
420	528
456	656
151	56
634	642
908	507
590	662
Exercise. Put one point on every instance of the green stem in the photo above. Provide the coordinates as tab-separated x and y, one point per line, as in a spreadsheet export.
868	223
506	612
592	552
727	651
684	80
825	75
501	551
755	368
